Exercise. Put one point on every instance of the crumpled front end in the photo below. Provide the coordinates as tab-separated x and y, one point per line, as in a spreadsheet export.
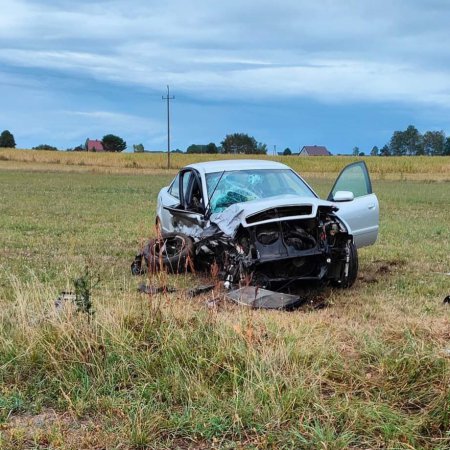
278	245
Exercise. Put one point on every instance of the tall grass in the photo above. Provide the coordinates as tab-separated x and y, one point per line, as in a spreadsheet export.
270	380
378	166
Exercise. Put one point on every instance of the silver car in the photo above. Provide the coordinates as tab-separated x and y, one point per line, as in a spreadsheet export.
259	221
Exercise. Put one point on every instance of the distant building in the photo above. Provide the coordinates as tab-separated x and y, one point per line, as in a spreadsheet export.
314	150
94	145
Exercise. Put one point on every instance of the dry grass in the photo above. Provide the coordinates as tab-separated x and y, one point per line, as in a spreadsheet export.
165	371
383	168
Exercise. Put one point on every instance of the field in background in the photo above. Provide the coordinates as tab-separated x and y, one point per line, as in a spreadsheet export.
417	167
371	370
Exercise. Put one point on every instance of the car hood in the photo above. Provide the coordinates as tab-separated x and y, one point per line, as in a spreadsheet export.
273	209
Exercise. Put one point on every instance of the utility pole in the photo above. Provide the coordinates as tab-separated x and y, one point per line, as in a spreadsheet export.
275	150
168	98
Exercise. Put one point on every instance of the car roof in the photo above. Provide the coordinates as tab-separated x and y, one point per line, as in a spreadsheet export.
236	164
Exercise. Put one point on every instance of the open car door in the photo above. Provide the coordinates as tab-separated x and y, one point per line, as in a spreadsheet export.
358	205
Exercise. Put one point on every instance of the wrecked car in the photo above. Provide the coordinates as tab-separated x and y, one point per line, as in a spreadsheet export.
262	225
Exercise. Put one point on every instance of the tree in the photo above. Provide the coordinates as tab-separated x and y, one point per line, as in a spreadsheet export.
355	151
211	148
397	146
261	148
239	143
7	139
385	151
434	143
361	154
374	151
195	148
447	146
112	143
45	147
138	148
413	141
408	142
287	151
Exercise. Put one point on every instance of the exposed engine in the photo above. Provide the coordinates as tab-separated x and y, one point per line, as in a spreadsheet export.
281	251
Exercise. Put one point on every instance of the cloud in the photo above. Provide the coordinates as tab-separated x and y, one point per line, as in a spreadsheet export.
89	65
325	50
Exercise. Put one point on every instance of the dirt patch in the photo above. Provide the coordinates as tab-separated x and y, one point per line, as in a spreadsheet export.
379	269
50	429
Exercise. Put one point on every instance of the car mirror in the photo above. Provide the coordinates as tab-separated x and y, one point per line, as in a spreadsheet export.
343	196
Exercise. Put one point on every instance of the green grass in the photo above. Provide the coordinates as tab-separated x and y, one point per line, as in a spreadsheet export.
370	371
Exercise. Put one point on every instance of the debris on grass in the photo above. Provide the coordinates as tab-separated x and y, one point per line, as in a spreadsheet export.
63	298
153	290
200	290
263	298
81	296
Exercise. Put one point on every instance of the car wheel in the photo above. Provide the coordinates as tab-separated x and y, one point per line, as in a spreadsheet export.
173	251
348	280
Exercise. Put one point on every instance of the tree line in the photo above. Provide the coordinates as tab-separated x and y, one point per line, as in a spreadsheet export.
411	142
236	143
402	143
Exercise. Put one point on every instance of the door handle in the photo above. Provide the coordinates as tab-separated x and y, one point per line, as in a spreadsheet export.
371	206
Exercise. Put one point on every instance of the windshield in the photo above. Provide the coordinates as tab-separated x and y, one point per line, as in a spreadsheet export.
246	185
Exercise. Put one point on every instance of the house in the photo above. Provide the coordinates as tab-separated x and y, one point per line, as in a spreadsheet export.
314	150
94	145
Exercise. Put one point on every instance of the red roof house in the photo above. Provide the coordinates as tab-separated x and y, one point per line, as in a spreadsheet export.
94	145
314	150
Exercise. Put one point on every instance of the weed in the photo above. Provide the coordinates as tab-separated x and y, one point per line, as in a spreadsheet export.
83	290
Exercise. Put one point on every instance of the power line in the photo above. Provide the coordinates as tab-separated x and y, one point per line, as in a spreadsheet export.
168	98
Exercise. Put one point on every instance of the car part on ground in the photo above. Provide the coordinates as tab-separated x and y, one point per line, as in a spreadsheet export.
255	297
153	290
193	292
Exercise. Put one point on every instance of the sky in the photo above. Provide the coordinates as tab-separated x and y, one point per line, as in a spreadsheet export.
340	73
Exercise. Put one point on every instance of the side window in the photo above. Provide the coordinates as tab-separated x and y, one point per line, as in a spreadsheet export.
186	183
174	189
353	178
192	193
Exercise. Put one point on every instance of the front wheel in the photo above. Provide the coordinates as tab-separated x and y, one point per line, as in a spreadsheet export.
173	252
350	269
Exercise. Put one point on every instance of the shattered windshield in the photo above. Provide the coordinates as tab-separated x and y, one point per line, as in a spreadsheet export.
227	188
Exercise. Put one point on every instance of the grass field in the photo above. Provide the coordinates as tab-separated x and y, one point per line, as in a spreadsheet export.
370	371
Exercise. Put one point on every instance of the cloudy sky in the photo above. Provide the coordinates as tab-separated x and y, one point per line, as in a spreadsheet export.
333	72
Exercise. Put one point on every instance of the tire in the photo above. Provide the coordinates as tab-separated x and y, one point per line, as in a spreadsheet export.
173	251
348	280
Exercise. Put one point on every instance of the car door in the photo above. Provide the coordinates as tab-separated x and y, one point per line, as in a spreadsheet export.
362	211
168	197
187	215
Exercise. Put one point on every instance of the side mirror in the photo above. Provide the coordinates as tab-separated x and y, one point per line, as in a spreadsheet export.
343	196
